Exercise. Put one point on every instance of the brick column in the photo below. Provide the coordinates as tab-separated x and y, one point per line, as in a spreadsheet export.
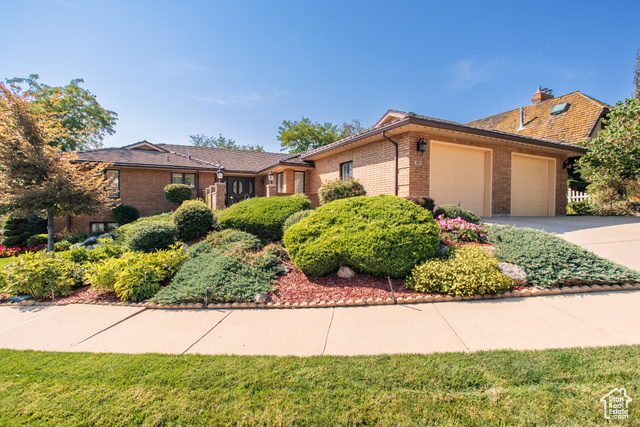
271	190
217	198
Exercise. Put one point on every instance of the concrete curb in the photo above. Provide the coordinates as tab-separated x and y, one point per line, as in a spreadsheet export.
533	292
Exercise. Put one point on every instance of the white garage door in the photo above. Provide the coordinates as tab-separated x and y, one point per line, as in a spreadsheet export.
460	174
531	186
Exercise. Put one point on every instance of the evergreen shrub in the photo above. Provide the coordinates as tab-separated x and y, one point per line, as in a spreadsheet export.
379	235
193	219
177	193
262	216
124	214
340	189
151	236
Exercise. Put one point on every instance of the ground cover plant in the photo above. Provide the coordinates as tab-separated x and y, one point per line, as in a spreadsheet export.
232	264
494	388
296	217
552	261
379	235
262	216
464	271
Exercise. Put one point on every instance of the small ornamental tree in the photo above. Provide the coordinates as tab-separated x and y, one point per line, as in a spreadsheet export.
34	175
177	193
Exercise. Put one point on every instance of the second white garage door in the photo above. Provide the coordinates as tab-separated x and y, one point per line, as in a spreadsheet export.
460	174
532	186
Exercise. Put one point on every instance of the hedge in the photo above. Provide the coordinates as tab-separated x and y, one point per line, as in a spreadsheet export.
262	216
380	235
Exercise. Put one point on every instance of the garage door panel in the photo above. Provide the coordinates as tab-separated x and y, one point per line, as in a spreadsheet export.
459	174
530	186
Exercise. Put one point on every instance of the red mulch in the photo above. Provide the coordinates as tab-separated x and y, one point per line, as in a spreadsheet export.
296	286
85	294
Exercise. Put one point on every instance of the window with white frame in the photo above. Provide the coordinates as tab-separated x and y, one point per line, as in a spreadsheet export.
280	182
298	182
346	170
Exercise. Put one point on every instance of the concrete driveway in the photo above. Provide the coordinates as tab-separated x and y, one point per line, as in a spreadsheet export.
613	237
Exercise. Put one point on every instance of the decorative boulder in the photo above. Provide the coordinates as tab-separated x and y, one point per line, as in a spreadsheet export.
346	273
514	272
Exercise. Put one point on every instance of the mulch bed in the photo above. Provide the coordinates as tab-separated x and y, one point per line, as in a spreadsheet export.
296	286
85	294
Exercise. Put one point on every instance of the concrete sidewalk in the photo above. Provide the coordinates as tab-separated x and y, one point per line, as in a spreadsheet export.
595	319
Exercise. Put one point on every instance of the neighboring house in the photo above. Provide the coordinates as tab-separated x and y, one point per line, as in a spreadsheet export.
489	172
571	118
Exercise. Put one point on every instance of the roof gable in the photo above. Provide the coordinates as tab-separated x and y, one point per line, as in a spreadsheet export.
390	116
144	145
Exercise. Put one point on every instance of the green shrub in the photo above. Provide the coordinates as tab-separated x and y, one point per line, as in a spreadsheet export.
124	214
468	270
295	218
340	189
16	231
380	235
579	208
193	219
63	245
423	201
37	224
262	216
549	260
151	236
177	193
453	212
244	241
36	273
37	240
230	276
122	231
135	276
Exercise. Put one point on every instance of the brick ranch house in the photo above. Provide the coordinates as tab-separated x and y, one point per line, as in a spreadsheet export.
488	171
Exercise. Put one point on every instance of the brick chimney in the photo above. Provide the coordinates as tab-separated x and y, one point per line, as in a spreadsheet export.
542	95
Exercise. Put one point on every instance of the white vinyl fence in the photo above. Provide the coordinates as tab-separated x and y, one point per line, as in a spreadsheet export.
577	196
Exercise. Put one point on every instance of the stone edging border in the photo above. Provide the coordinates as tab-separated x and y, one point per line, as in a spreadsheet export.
359	302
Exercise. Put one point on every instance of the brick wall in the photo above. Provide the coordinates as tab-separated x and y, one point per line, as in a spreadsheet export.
142	188
373	165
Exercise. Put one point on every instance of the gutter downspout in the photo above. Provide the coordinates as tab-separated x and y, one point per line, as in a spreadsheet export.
395	184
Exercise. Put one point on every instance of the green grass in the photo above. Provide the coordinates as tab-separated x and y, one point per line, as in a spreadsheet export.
6	261
549	260
497	388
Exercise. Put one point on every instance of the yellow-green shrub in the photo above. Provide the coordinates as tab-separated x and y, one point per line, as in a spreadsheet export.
468	270
36	273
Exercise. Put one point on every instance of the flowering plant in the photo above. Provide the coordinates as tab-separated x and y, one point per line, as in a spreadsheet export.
6	252
457	229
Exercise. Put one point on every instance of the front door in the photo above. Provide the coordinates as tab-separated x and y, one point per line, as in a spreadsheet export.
239	189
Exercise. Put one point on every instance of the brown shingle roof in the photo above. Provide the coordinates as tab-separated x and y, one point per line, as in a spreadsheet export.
177	157
573	126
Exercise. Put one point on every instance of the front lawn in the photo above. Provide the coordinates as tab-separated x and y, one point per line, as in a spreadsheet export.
554	387
6	261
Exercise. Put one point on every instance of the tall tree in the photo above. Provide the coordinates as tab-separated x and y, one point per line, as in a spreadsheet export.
86	122
300	136
636	78
201	140
35	175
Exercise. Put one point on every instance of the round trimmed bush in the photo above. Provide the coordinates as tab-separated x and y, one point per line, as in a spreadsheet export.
38	239
379	235
453	212
295	218
124	214
151	236
193	219
177	193
340	189
262	216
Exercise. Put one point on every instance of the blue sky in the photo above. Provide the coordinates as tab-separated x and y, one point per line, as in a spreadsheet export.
175	68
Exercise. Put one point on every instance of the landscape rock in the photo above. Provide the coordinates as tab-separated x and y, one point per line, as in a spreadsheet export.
90	241
260	298
346	273
514	272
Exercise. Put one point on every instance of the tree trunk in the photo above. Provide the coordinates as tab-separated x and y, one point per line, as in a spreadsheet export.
49	231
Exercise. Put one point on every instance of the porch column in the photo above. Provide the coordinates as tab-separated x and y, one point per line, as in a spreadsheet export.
215	194
271	190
